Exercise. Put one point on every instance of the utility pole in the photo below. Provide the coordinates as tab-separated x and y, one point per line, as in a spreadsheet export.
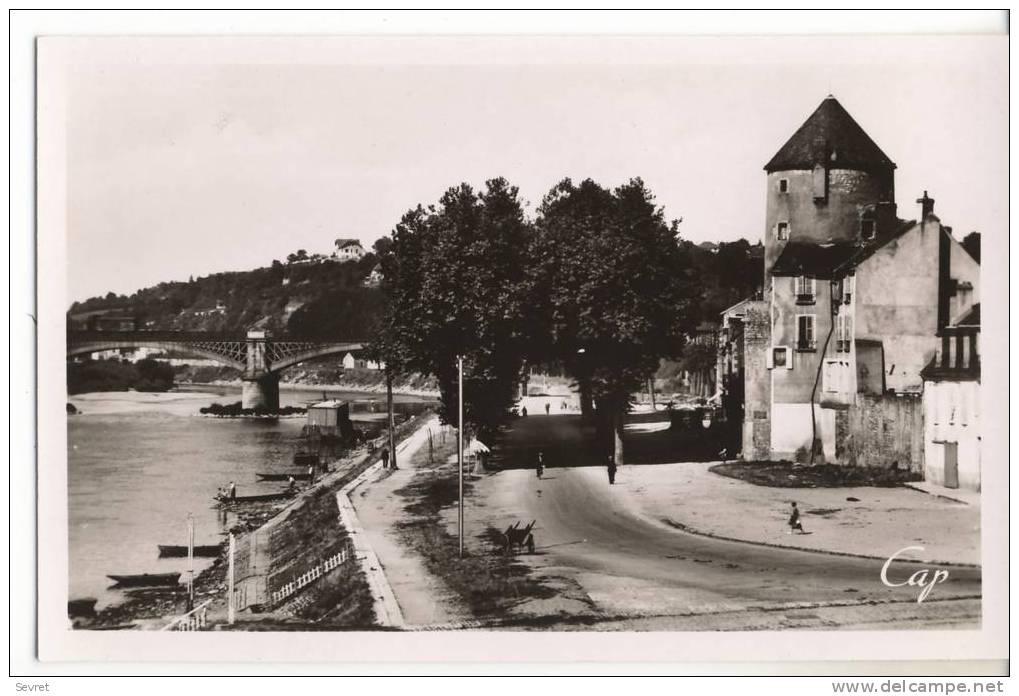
191	561
460	444
230	582
389	404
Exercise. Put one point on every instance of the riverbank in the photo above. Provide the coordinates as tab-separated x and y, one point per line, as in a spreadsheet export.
311	533
398	390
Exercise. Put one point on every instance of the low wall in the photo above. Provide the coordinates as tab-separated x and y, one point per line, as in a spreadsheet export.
881	431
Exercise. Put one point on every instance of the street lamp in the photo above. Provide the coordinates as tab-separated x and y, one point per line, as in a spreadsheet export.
460	446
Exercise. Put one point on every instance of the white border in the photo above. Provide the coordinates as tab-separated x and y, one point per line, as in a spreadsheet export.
533	647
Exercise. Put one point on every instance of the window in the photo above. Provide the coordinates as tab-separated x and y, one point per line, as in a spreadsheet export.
780	358
805	332
868	229
836	376
819	179
804	290
783	185
848	285
843	333
782	230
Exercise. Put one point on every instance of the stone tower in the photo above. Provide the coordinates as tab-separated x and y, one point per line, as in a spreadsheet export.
829	183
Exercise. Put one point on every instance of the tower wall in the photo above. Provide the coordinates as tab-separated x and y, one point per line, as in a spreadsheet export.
849	193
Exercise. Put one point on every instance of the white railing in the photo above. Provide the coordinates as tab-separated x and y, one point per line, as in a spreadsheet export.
311	576
194	620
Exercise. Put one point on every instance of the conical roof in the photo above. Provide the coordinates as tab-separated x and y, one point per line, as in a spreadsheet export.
830	136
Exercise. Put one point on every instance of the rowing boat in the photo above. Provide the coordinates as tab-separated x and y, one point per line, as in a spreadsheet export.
264	498
297	476
146	579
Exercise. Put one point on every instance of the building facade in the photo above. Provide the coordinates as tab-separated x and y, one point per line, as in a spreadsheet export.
856	300
348	250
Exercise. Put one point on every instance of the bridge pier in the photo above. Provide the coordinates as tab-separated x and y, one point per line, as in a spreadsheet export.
262	391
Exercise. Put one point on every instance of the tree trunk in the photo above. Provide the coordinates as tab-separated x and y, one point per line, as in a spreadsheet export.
617	434
585	401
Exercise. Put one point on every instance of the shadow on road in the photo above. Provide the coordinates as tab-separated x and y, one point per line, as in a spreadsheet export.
568	441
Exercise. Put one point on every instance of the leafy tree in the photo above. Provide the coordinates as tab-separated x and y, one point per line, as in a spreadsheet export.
615	291
455	283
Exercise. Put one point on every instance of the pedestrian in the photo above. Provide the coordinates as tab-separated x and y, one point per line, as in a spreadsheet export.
548	408
291	484
233	491
794	520
540	468
385	457
612	469
311	473
523	411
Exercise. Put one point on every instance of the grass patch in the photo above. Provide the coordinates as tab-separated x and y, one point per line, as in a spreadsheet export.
789	475
488	583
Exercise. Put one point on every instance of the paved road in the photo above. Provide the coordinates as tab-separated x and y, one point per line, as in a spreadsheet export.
627	563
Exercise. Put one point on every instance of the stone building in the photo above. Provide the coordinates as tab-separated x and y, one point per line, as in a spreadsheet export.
855	300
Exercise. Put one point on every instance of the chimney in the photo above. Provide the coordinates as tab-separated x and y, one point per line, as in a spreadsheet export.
926	206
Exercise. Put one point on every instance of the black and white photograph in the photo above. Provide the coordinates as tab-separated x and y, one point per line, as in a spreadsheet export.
352	340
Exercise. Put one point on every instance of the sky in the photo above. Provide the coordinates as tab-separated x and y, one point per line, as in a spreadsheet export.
192	156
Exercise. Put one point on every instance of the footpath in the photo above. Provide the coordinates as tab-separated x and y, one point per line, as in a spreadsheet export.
417	597
863	521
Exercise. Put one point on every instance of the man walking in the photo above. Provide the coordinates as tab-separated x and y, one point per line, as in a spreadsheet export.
385	457
612	469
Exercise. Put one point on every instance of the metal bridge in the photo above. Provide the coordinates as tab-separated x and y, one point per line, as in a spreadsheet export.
258	355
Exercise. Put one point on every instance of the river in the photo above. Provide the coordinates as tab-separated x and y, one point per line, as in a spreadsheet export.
138	463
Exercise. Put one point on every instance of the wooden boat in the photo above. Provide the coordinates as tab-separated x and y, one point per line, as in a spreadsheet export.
146	580
264	498
298	476
175	551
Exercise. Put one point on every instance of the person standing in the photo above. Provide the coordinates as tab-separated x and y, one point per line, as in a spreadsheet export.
612	469
548	408
795	525
311	475
540	468
232	489
385	457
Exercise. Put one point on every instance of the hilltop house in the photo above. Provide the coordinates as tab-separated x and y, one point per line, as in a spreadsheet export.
348	250
856	302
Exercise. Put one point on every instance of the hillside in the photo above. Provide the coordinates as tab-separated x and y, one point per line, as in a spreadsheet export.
325	298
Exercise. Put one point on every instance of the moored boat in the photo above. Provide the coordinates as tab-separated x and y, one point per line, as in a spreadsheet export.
264	498
178	551
297	476
146	579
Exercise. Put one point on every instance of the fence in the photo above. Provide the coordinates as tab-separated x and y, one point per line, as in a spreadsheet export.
312	575
194	620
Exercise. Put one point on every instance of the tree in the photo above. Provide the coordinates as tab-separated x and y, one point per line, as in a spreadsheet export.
454	278
616	291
